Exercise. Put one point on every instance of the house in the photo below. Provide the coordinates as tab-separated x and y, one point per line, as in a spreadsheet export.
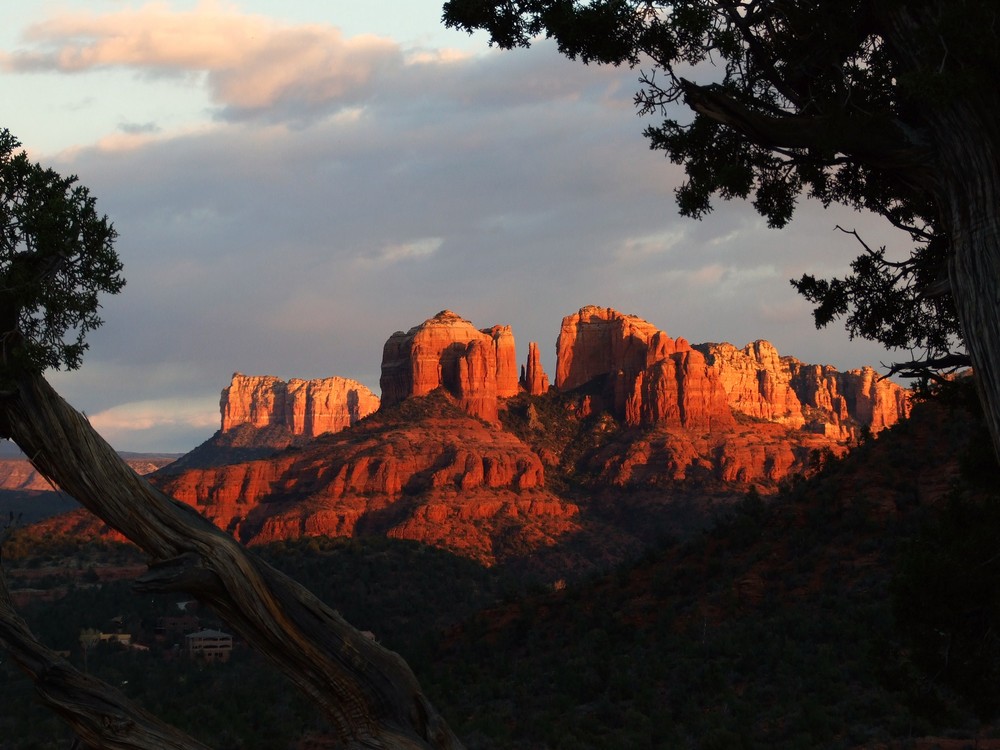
210	645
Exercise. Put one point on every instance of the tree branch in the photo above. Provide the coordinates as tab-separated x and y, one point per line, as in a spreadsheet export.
870	140
367	692
930	368
99	714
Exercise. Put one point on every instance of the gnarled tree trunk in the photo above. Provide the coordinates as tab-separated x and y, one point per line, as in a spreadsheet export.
368	693
961	133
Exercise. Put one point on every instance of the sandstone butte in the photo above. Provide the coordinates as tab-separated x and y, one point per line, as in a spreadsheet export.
476	366
304	407
436	464
650	379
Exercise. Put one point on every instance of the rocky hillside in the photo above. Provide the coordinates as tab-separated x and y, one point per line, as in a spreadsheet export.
641	434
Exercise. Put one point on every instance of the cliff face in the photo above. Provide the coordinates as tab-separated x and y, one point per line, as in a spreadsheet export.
477	367
305	407
637	420
651	379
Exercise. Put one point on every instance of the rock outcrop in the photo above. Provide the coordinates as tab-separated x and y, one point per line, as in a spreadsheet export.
304	407
757	380
649	379
763	385
597	341
476	366
534	381
848	401
448	480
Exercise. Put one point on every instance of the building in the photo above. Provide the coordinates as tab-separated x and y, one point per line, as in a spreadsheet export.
210	645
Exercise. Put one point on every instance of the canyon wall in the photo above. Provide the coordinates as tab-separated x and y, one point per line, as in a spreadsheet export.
305	407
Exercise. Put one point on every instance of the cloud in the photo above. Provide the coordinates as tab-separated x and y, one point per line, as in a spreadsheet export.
406	251
139	128
169	424
251	62
144	415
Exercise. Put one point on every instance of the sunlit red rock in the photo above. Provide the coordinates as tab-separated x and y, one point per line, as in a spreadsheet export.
305	407
476	366
649	378
680	389
848	401
533	378
597	341
451	481
757	381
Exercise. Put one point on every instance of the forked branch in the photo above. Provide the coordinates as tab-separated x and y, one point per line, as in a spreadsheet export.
368	693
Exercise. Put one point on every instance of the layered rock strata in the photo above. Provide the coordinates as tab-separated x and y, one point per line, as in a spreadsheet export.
476	366
305	407
648	377
449	481
818	398
651	379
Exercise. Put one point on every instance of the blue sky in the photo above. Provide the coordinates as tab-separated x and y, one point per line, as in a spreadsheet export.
292	182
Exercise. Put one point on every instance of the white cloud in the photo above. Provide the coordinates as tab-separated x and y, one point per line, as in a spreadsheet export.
168	424
251	62
420	249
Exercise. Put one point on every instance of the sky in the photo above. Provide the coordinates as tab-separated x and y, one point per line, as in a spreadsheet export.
293	182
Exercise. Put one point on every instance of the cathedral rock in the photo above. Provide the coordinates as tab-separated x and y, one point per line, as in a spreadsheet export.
476	366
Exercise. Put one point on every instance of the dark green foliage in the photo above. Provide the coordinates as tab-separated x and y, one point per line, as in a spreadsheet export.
56	256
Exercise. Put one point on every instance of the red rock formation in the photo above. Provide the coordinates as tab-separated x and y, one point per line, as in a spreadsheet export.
597	341
652	379
758	381
680	389
533	377
305	407
477	367
454	482
848	400
18	473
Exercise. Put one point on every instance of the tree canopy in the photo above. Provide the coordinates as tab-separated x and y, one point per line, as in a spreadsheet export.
882	105
56	256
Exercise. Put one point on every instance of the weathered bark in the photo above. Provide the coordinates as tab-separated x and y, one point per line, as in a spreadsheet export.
368	693
99	714
972	212
961	129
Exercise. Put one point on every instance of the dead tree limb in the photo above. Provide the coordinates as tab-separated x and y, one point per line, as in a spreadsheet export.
100	715
368	693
